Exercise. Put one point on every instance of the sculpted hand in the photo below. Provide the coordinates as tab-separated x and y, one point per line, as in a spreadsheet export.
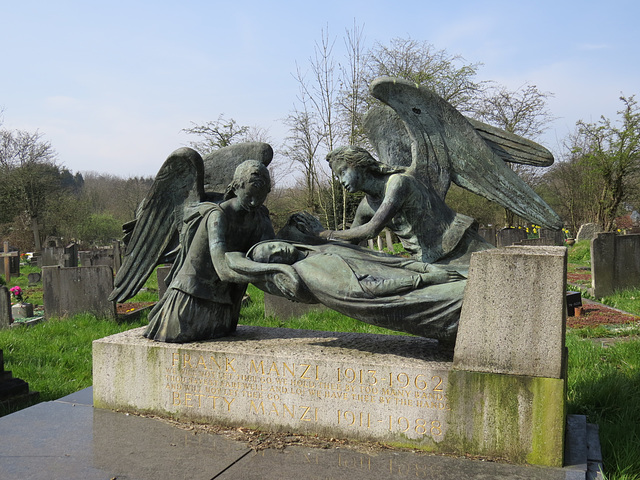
437	275
288	283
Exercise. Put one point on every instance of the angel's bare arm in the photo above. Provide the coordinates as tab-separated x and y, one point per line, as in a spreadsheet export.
395	193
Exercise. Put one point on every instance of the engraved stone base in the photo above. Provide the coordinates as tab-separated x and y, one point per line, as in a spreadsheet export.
385	388
394	389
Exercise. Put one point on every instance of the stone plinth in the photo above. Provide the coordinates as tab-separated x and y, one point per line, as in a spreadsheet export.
373	387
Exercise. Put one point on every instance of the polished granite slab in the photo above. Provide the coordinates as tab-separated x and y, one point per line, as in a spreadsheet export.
69	439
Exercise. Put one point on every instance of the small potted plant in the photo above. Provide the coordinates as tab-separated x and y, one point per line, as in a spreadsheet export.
21	309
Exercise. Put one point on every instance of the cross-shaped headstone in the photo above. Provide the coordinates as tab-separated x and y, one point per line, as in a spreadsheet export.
7	266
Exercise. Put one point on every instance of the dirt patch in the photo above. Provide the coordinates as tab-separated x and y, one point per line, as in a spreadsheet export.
592	314
130	307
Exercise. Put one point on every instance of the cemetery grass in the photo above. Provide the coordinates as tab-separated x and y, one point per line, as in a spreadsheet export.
604	385
54	357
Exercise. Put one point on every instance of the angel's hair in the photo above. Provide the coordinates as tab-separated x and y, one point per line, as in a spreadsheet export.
358	157
249	171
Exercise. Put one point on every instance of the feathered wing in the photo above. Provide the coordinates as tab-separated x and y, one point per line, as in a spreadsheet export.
154	234
446	147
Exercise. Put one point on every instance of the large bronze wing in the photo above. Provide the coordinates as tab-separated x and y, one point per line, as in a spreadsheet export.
438	144
154	237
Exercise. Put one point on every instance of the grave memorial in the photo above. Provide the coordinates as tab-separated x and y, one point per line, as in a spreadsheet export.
484	397
7	255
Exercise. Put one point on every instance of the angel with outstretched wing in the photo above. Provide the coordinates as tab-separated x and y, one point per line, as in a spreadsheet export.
181	222
425	144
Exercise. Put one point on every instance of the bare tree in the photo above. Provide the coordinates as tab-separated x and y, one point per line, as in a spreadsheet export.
216	134
447	75
29	177
522	111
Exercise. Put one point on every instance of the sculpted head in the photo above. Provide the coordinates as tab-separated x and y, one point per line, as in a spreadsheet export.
273	251
358	157
250	179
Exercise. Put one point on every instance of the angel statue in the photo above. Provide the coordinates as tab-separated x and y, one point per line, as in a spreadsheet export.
177	221
424	144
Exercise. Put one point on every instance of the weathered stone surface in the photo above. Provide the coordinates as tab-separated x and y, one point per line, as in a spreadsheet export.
588	231
67	291
390	388
513	315
518	417
615	263
5	307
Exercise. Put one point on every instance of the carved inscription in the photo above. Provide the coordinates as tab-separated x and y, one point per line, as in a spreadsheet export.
367	400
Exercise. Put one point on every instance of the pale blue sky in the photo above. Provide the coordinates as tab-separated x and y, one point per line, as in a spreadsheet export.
111	84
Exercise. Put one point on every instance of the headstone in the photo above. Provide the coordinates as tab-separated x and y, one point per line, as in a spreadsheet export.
553	237
574	299
537	242
60	256
34	278
97	257
14	262
489	234
615	263
284	309
68	291
588	231
5	307
70	256
162	272
7	254
13	391
508	236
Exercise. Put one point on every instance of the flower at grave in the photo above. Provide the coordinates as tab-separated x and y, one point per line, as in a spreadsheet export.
18	294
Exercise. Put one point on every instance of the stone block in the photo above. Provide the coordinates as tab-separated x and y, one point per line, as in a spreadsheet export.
68	291
514	311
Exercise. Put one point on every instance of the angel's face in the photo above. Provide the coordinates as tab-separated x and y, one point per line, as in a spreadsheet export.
350	177
251	195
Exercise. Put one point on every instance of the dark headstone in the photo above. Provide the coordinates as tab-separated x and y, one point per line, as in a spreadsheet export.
5	307
162	273
615	263
574	299
279	307
68	291
34	278
554	237
13	390
510	236
489	234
